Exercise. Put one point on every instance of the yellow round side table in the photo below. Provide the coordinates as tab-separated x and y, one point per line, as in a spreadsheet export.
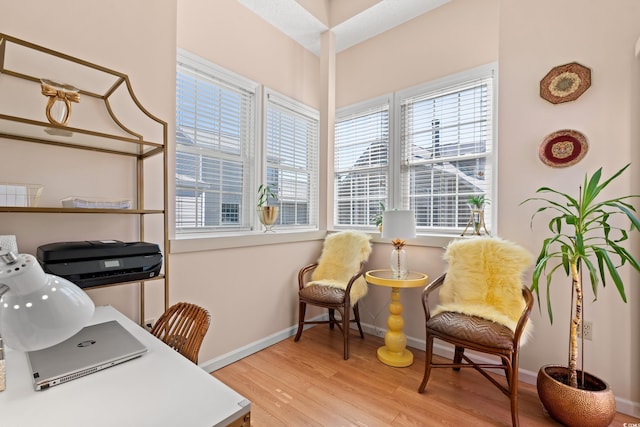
394	352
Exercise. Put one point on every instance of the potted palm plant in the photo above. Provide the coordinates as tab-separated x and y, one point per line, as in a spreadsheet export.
267	213
476	203
377	218
585	236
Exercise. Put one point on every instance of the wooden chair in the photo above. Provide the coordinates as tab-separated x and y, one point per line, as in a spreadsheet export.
335	282
183	327
482	328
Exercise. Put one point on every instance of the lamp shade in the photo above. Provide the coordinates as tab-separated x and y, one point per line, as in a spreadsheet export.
38	310
398	224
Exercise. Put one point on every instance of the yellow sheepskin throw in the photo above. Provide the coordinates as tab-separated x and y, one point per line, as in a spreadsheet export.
484	280
340	260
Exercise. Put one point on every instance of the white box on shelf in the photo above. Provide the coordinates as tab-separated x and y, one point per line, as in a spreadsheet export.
79	202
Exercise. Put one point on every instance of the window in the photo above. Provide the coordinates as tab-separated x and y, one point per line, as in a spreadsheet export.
218	150
292	137
446	145
215	122
443	143
361	162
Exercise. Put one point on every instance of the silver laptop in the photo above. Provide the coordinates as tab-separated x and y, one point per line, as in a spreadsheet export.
94	348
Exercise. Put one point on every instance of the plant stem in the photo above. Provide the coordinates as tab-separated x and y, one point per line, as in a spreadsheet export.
575	324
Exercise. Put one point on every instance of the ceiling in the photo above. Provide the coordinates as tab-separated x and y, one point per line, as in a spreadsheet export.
305	20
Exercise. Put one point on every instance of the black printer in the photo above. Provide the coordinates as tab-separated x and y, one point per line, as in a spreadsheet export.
100	262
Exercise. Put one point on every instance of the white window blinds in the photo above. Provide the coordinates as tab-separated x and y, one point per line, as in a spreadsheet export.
292	138
427	148
446	153
215	121
361	164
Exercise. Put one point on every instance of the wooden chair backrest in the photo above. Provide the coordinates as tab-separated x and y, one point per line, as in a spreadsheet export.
183	327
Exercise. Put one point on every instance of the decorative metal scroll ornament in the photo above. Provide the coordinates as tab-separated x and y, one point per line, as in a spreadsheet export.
60	98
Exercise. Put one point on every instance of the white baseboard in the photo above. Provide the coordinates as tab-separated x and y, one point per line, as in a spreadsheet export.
622	405
242	352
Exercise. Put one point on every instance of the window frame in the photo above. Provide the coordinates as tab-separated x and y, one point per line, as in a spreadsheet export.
254	151
360	110
209	72
395	196
283	102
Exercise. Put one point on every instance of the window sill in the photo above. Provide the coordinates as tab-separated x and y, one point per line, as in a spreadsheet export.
192	243
430	241
227	241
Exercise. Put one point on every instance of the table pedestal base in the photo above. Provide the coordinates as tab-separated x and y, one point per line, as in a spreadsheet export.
400	359
394	351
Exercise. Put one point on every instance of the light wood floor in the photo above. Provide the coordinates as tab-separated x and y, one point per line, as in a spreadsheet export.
309	384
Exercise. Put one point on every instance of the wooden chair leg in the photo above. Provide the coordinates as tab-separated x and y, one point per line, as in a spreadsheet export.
332	318
427	363
507	372
301	312
356	313
345	331
514	408
457	356
512	375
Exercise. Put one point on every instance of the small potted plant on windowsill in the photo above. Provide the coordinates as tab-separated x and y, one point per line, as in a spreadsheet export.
267	213
377	218
476	203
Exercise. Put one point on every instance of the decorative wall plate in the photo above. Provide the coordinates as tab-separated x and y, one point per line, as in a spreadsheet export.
565	83
563	148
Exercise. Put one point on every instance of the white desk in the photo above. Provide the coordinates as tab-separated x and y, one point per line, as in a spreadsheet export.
161	388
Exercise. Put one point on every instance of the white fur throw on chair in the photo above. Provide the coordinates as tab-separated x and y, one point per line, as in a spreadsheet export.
484	280
340	260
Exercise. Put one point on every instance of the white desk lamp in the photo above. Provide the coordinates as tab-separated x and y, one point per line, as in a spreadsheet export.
38	310
398	225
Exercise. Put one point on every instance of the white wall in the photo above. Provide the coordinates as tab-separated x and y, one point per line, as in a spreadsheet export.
136	38
250	292
249	297
535	37
228	34
527	41
452	38
426	48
